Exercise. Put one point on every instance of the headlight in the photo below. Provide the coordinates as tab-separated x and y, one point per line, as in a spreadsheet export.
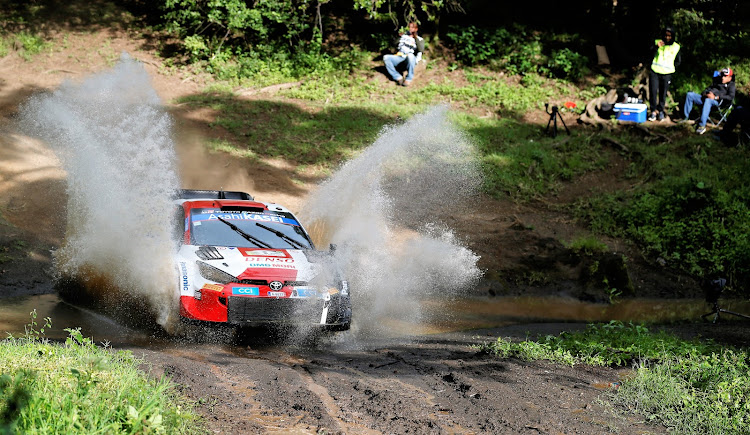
213	274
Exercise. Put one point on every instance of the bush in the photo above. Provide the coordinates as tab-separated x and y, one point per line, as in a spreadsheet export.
516	51
698	228
568	64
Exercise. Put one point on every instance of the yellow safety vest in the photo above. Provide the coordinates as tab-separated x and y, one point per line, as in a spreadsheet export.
664	60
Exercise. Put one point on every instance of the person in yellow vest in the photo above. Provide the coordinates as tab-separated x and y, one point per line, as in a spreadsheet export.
666	59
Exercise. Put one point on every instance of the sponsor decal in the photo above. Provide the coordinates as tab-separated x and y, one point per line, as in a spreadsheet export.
277	294
305	292
214	215
246	291
184	280
344	288
213	287
270	259
273	265
262	253
276	285
332	291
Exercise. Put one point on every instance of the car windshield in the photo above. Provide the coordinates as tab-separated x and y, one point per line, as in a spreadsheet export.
242	228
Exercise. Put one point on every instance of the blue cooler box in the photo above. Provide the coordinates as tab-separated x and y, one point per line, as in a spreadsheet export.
630	112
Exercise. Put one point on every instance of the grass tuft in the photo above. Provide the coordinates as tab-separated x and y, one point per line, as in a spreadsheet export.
81	388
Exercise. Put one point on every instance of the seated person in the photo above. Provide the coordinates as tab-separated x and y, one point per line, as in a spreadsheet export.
739	116
410	48
721	91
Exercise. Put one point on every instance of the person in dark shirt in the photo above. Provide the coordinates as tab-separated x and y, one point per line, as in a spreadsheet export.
739	116
720	92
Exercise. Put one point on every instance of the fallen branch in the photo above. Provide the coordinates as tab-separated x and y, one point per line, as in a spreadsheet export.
616	144
60	71
649	132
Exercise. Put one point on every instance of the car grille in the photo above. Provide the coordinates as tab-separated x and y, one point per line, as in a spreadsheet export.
264	282
266	310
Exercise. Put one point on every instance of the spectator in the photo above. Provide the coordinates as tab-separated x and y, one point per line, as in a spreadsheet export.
410	48
739	116
721	91
667	58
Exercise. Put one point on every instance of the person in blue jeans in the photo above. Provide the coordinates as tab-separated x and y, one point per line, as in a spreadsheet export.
721	91
410	48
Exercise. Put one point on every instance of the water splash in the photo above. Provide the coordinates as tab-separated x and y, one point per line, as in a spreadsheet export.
114	140
381	210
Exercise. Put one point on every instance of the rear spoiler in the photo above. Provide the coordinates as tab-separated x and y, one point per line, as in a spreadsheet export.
213	194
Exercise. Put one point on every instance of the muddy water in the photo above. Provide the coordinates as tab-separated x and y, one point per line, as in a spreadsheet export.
439	316
15	317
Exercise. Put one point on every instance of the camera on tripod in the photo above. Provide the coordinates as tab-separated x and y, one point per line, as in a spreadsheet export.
553	117
713	289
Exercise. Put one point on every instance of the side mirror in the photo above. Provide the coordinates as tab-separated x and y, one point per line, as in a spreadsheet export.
332	248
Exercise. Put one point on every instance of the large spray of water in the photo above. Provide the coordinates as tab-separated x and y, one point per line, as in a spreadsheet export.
114	140
381	210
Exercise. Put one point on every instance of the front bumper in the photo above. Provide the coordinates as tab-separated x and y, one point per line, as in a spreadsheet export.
333	311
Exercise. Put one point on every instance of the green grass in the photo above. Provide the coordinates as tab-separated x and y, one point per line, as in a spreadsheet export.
521	161
80	388
587	245
319	135
31	44
692	387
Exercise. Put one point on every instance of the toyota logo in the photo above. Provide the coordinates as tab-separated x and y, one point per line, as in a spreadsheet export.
276	285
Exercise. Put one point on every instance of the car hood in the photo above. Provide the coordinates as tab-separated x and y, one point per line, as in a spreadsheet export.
258	264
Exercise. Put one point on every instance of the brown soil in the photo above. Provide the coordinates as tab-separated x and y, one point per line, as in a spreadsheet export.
432	384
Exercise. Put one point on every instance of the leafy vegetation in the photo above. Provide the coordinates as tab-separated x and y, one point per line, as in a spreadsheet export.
515	50
81	388
692	387
693	213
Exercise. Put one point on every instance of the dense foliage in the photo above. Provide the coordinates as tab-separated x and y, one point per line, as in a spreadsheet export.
517	51
693	214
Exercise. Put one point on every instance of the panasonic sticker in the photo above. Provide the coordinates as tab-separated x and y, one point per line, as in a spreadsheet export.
245	291
184	281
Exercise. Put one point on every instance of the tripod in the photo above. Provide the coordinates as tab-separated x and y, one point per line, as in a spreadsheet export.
553	116
713	291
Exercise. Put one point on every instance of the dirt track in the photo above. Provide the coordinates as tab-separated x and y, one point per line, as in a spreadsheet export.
435	384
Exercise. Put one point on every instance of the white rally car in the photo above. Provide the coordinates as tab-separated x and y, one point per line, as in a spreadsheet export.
246	262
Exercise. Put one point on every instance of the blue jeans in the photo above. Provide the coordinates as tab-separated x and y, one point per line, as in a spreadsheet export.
392	61
693	98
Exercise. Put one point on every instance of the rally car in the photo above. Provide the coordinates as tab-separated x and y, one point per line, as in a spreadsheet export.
247	262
